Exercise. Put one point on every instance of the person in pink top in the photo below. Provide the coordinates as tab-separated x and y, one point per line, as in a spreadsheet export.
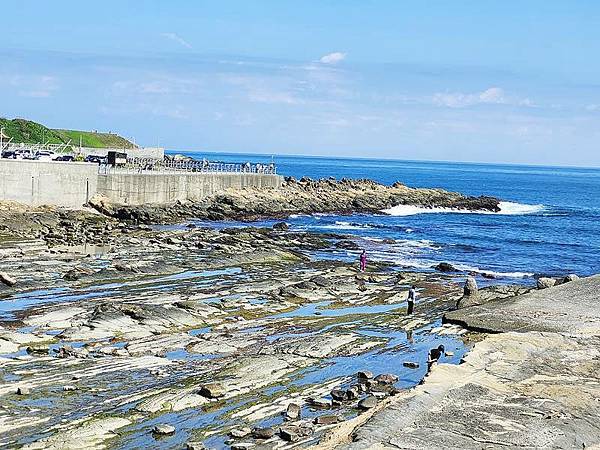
363	260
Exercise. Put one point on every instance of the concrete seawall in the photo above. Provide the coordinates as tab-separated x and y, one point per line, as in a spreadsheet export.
47	183
139	189
73	184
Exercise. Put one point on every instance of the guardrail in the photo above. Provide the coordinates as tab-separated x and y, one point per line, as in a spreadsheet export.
34	148
149	166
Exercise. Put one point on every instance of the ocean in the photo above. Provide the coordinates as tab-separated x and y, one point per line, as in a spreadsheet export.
549	223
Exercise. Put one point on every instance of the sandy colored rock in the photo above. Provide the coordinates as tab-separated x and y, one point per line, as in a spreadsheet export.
512	391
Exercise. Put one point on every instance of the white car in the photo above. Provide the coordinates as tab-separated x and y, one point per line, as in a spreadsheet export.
23	154
44	156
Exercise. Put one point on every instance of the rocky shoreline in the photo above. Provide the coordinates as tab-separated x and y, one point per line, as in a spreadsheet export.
116	334
303	196
204	337
532	382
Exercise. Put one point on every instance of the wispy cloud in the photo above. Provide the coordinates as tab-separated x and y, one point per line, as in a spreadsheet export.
490	96
33	86
332	58
178	39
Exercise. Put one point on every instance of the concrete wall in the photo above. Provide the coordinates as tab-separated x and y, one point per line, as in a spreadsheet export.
145	152
47	183
139	189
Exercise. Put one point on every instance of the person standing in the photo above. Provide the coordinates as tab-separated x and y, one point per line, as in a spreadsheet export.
412	295
363	260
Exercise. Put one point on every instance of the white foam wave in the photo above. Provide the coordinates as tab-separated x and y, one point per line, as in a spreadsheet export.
506	208
513	208
340	225
466	268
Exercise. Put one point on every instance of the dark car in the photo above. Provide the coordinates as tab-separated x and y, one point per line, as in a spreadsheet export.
65	158
95	159
8	155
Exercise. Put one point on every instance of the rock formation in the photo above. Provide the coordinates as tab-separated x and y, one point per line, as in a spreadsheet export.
298	197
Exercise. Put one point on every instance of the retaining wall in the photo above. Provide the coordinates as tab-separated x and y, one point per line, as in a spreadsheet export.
151	188
47	183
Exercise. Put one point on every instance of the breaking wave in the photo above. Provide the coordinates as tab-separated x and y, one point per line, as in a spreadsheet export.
506	209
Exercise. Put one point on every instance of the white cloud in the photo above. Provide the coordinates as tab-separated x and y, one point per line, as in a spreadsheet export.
176	38
491	96
33	86
332	58
259	89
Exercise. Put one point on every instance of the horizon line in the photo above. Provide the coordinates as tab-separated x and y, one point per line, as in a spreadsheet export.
483	163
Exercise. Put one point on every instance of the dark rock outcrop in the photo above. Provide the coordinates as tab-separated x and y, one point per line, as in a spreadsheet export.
297	197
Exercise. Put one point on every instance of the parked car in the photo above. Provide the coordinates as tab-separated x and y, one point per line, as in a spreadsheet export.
8	155
64	158
44	155
95	159
24	154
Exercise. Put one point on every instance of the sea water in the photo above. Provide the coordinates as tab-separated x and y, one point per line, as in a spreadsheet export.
549	221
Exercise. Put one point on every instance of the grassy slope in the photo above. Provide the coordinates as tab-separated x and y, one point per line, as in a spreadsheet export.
22	130
26	131
91	139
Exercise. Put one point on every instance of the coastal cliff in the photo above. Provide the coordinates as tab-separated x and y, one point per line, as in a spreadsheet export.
305	196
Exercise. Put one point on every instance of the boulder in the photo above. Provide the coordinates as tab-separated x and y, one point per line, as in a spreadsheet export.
289	433
352	393
293	411
386	378
568	278
306	285
240	432
470	294
212	390
368	402
320	281
326	420
40	348
320	402
281	226
7	279
195	446
545	282
263	433
364	375
445	267
338	394
242	445
76	273
411	364
470	287
163	429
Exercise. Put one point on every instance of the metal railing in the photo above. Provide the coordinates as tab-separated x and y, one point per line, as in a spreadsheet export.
150	166
34	148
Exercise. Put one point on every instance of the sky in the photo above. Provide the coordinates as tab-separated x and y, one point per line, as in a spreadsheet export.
485	81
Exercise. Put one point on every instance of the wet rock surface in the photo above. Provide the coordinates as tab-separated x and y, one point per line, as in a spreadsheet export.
533	383
212	332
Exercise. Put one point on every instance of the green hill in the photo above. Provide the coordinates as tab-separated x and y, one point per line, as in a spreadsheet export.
21	130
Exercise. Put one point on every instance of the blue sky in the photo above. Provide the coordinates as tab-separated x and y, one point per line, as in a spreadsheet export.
487	81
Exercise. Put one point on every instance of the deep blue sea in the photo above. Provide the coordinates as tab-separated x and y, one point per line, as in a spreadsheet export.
549	224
